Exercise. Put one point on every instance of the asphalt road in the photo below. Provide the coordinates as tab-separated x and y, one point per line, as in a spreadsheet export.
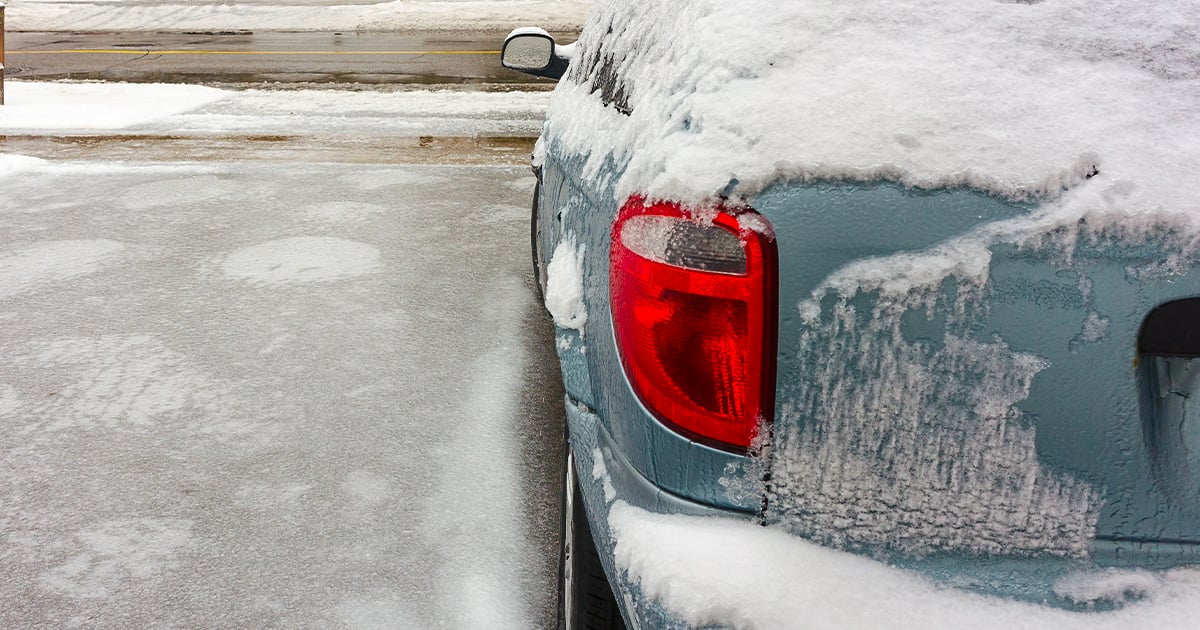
361	58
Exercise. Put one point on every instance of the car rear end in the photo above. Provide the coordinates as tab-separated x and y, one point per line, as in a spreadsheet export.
897	331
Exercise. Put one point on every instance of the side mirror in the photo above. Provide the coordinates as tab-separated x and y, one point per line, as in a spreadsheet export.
533	51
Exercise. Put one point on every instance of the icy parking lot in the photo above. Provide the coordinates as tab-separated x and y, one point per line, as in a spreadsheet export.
266	392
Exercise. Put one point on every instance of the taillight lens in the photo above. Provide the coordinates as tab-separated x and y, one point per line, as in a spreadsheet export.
694	299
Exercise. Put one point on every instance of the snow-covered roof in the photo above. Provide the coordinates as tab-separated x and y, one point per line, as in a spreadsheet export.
1025	99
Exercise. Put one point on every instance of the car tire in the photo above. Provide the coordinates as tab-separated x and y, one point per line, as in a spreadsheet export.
585	598
535	245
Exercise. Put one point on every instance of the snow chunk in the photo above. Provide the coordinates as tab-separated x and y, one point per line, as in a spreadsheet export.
760	577
564	285
302	259
66	106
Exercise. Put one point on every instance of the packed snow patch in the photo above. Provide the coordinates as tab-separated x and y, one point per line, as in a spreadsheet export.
761	577
131	382
564	285
39	265
10	400
168	192
37	106
118	555
302	259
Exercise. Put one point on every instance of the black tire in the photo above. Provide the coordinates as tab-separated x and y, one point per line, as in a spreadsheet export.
585	598
535	245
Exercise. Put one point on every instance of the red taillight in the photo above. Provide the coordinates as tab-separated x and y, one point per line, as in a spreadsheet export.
694	311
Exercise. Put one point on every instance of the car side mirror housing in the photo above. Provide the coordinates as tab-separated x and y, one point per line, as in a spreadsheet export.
533	51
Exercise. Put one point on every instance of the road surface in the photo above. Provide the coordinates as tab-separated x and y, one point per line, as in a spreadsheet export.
247	57
260	380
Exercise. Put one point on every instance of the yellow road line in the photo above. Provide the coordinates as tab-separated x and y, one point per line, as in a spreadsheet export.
132	51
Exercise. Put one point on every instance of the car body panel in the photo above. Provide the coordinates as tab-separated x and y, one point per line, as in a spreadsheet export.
604	475
673	462
1084	404
1027	438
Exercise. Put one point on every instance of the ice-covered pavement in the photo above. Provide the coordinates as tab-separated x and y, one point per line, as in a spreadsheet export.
292	15
267	393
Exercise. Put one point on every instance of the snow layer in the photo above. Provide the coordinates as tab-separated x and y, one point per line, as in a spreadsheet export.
763	578
177	109
292	15
751	576
31	105
10	164
1023	99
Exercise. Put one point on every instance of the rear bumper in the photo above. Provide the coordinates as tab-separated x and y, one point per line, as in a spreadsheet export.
605	477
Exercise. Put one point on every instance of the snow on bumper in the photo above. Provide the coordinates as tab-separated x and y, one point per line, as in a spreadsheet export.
678	564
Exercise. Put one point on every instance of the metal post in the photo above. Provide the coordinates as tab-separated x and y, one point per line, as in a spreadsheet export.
1	52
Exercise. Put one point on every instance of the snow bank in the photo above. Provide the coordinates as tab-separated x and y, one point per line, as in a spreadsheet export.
1022	99
755	577
292	15
11	163
41	106
189	109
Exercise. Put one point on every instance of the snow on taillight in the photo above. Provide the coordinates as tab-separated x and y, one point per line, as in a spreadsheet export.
694	297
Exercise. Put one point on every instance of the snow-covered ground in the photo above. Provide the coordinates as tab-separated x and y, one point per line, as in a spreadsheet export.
293	15
264	394
89	108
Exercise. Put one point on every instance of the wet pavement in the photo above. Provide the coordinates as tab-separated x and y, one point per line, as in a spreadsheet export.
274	393
263	379
434	58
473	150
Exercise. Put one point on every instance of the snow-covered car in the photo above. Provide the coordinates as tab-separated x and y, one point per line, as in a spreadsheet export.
875	314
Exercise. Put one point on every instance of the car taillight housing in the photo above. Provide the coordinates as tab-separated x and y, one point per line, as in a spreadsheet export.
694	304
